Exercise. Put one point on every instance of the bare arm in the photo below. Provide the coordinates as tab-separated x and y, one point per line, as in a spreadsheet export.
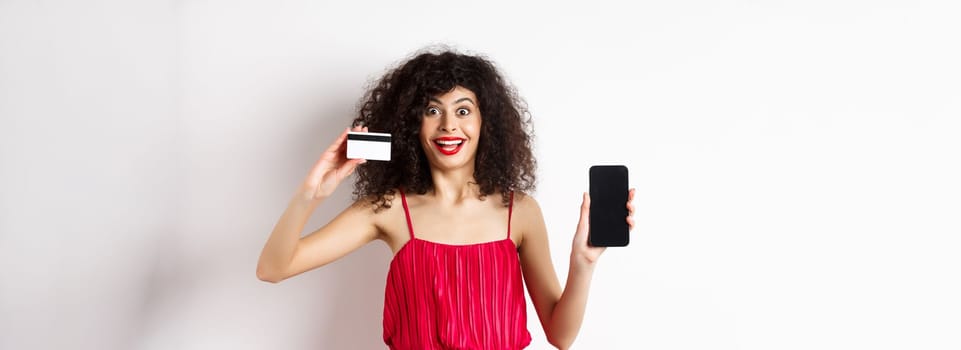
286	254
560	313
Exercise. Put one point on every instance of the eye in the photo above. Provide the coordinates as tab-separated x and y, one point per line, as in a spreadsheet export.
463	111
432	111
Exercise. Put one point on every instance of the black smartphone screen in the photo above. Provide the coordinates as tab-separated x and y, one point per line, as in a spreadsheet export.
608	217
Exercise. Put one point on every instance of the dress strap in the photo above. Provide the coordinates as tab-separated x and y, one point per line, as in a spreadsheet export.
510	212
410	227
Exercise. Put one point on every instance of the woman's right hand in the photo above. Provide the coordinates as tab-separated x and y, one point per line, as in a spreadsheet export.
332	168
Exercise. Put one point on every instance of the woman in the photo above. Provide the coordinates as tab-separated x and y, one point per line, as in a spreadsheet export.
451	206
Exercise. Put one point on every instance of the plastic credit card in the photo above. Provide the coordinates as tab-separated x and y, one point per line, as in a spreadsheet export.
368	145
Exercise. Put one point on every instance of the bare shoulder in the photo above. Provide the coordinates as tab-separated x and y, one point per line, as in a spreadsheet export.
527	218
524	202
388	217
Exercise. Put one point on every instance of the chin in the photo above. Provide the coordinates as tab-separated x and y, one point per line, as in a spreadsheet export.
449	164
443	162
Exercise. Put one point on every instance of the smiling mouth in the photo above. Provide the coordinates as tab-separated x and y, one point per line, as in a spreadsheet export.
449	145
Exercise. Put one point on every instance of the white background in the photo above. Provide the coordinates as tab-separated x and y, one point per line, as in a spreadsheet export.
797	166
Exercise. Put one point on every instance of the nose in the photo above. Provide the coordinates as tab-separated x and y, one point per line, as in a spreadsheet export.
448	124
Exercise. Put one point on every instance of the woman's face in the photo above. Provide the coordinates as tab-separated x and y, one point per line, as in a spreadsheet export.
450	129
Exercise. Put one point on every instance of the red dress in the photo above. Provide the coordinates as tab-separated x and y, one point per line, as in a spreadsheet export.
442	296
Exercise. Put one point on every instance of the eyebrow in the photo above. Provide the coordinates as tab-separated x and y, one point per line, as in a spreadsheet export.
434	99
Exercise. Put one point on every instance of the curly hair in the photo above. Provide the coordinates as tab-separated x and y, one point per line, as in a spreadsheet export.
396	102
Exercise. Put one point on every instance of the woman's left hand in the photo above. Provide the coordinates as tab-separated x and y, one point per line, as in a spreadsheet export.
582	251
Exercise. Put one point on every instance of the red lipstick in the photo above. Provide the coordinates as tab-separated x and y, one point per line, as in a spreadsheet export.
449	145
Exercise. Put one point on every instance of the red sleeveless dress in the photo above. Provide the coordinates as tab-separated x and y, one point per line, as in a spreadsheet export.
442	296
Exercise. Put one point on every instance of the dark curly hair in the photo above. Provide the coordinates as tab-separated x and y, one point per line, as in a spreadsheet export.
395	104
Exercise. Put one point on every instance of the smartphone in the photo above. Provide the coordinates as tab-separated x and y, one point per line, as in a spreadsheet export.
608	216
